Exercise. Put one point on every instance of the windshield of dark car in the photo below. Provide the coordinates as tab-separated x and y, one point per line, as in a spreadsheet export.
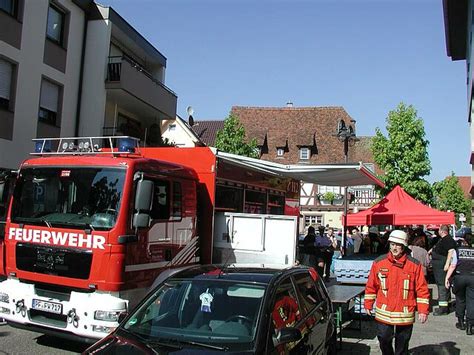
68	197
212	311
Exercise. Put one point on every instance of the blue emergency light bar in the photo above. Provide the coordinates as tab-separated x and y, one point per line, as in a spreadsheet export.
126	145
42	146
114	145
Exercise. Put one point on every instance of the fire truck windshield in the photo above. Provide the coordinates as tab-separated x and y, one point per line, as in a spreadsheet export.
68	197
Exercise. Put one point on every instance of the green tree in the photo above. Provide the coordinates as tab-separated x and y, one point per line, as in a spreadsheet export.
403	154
448	195
232	139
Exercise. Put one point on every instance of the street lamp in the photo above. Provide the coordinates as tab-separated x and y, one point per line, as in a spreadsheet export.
345	134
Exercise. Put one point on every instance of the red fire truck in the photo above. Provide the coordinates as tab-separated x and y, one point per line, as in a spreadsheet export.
93	221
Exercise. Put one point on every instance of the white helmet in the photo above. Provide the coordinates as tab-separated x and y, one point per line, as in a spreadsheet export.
398	236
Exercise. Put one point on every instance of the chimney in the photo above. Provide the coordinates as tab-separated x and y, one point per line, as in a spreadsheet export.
289	104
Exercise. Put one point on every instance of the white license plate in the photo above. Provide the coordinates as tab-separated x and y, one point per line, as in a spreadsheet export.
45	306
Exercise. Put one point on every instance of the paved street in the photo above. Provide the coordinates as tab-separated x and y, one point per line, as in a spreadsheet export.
19	342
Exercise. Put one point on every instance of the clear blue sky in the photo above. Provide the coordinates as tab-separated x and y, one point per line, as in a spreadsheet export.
364	55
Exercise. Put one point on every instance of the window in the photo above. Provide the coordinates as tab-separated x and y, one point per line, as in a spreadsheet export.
336	189
276	204
229	198
161	200
129	126
313	220
304	153
280	152
310	295
6	74
285	310
255	202
49	102
172	127
9	6
177	201
55	26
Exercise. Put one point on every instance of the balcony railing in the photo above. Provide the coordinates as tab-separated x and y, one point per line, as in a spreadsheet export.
115	68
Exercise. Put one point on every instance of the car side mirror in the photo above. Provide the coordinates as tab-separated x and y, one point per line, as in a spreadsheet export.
286	335
122	316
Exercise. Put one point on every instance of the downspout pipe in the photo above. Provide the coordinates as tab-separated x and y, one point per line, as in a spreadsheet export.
81	74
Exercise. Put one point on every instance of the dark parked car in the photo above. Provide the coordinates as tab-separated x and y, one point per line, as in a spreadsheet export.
207	309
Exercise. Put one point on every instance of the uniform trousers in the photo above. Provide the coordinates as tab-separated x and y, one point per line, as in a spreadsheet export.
444	295
463	288
401	333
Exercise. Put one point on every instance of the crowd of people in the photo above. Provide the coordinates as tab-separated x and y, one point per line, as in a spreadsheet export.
397	283
318	250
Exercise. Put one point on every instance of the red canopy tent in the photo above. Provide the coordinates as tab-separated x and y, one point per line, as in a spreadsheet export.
399	208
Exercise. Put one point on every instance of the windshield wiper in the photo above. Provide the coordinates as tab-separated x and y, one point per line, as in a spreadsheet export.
202	345
33	220
178	344
152	344
75	224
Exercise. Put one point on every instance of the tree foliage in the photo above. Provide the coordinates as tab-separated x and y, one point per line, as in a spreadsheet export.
403	154
232	139
448	195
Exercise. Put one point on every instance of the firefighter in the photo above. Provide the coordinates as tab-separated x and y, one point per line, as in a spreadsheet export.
398	287
463	287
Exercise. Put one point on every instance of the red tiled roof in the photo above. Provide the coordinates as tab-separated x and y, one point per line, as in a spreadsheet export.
465	183
314	127
207	131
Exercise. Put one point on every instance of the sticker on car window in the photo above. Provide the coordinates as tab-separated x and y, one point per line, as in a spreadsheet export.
206	300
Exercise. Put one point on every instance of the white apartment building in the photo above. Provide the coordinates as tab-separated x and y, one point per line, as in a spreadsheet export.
459	29
76	68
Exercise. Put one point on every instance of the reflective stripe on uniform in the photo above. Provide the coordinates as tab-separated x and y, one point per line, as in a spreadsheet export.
423	300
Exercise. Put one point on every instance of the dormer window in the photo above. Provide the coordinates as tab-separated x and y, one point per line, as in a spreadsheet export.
304	153
282	149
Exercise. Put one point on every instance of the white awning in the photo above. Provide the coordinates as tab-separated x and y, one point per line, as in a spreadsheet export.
330	174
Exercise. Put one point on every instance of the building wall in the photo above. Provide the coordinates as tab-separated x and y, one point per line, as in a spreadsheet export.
469	60
95	66
180	135
30	69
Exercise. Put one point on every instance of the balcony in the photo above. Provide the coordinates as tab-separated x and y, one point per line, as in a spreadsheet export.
132	86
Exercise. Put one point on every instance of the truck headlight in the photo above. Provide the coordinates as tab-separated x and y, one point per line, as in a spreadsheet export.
102	329
108	316
4	297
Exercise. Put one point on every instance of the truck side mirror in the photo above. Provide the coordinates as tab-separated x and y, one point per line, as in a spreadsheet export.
143	203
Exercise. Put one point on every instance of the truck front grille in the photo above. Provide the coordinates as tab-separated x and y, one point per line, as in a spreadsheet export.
65	262
57	320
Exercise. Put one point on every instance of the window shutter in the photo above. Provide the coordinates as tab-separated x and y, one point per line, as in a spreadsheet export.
6	70
49	96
